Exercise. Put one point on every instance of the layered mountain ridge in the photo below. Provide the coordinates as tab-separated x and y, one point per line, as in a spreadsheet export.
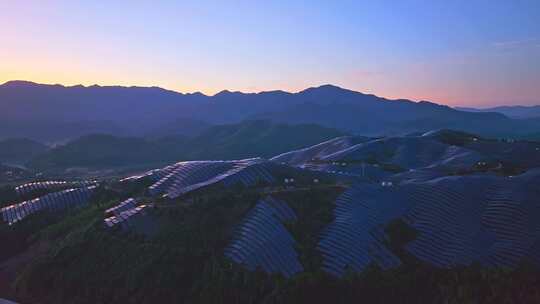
55	112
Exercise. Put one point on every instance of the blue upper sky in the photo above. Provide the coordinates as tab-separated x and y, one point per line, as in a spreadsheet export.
477	53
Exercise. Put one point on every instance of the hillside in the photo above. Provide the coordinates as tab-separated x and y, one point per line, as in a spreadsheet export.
99	150
235	141
59	113
255	139
20	150
439	217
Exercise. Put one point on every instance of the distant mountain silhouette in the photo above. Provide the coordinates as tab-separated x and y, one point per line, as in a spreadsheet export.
55	112
510	111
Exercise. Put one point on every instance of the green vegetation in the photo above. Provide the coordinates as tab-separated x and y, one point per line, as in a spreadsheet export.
456	138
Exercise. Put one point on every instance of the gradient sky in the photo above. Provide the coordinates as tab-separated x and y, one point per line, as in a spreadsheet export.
475	53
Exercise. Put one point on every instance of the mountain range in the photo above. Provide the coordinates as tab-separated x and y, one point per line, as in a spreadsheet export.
52	113
510	111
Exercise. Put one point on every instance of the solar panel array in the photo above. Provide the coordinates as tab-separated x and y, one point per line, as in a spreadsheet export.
318	151
123	218
189	173
512	214
130	203
355	238
184	177
446	215
405	152
459	220
433	151
50	185
262	241
155	174
56	201
251	174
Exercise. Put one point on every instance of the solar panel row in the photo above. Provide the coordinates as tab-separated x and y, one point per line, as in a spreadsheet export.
459	220
184	177
50	185
122	206
262	241
354	239
122	219
53	201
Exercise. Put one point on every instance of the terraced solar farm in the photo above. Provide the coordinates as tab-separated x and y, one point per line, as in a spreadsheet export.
346	218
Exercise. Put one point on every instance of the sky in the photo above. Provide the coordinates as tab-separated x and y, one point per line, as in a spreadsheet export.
460	53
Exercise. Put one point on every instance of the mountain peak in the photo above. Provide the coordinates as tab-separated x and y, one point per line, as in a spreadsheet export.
225	93
19	83
197	94
329	89
326	88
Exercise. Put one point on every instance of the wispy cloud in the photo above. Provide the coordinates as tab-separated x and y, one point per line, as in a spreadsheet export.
516	44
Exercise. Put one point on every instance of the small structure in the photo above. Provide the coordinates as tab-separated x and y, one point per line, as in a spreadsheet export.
387	184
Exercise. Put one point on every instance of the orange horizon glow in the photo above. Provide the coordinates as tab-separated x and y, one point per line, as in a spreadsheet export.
436	97
197	47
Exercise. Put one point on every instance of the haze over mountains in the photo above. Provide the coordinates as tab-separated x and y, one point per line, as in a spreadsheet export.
232	141
510	111
19	150
52	113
